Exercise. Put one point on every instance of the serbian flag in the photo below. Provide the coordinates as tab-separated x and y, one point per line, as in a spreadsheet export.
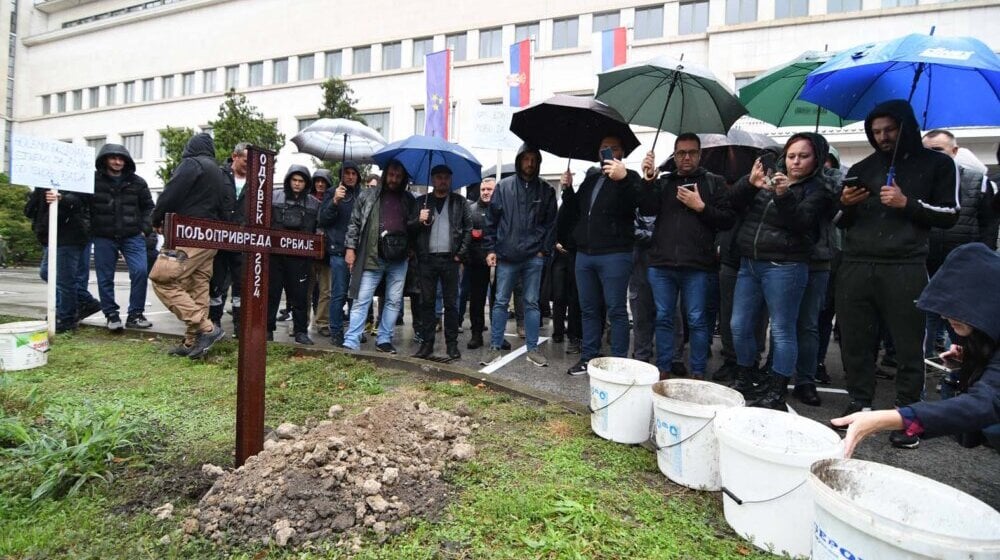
437	69
519	79
609	49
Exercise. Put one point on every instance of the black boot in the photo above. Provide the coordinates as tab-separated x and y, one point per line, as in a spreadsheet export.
773	397
426	350
806	394
745	382
475	341
453	352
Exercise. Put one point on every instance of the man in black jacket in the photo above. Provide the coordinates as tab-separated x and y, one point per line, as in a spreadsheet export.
119	217
691	206
334	217
441	223
476	270
228	265
604	237
198	189
887	218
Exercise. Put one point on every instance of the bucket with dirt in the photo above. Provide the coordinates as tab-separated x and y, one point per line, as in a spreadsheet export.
687	450
621	405
764	460
870	510
23	345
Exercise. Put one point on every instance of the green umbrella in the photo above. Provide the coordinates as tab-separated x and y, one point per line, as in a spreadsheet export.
670	94
773	96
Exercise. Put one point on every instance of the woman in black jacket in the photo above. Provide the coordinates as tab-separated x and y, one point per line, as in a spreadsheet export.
781	212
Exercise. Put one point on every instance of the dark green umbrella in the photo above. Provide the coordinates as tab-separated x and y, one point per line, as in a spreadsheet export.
670	94
773	96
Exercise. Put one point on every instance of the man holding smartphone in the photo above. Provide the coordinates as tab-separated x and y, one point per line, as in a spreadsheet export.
690	206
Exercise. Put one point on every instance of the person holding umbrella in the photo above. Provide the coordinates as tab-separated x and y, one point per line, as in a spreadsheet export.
890	202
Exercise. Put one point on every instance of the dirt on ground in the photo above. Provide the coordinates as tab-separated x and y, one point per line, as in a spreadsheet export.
339	478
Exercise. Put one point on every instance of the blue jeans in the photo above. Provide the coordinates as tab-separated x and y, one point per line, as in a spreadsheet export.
69	293
602	282
530	273
340	282
813	301
780	286
106	250
692	284
395	278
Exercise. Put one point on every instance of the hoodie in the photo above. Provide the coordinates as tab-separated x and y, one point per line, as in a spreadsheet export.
120	206
335	218
928	179
295	211
198	188
962	289
521	221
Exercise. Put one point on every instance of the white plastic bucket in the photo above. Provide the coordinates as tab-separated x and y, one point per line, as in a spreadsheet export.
687	450
621	402
23	345
869	510
764	460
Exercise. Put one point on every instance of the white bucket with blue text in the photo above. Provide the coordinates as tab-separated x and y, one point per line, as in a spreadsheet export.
23	345
868	511
621	402
764	460
687	450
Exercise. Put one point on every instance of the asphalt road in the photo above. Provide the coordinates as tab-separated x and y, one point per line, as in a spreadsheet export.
975	471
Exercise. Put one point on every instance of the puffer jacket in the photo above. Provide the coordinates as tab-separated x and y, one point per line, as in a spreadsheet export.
121	208
975	217
74	218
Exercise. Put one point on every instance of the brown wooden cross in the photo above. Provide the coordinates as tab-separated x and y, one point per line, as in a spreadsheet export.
258	241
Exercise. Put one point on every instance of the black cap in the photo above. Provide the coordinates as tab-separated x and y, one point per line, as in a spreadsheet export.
441	168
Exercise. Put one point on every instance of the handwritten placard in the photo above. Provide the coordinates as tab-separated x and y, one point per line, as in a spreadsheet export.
45	163
489	128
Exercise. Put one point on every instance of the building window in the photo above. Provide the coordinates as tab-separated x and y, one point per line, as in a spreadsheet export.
187	84
133	143
742	81
60	102
527	31
392	56
110	95
208	80
605	21
93	97
256	70
419	116
790	8
232	77
77	99
741	11
333	64
565	33
147	89
457	43
648	22
898	3
46	104
379	121
362	60
693	17
280	71
307	63
97	142
129	92
303	123
839	6
421	48
168	87
489	43
208	130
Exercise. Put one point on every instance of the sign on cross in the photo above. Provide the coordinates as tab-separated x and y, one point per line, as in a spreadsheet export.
258	241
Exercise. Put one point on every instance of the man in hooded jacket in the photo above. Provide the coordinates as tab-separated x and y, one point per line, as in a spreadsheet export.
887	220
334	217
319	277
228	265
180	277
119	217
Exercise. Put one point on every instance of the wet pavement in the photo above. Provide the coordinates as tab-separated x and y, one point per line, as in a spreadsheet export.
975	471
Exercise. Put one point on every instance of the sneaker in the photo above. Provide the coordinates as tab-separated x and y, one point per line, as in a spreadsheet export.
822	377
283	316
494	355
899	439
475	341
180	350
425	351
138	321
303	338
579	368
386	347
87	309
205	341
678	369
573	346
536	357
115	323
505	345
337	340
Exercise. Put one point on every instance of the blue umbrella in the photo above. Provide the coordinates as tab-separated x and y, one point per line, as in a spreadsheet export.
419	154
949	81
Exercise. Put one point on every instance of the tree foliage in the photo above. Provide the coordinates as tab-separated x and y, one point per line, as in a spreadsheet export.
338	103
174	140
14	226
239	121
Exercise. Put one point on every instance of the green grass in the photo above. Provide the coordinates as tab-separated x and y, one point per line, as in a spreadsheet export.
540	486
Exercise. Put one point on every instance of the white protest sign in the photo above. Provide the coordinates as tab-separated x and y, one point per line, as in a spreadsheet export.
41	162
489	127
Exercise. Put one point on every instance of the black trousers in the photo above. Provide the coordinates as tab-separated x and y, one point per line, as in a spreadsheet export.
565	301
430	270
292	275
227	272
479	284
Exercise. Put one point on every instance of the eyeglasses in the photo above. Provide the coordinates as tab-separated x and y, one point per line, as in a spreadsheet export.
681	154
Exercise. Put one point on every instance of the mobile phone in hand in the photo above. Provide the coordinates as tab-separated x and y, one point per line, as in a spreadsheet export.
607	154
689	186
769	162
943	364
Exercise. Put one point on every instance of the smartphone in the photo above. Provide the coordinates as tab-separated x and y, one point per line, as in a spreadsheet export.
852	182
689	186
769	162
942	364
607	154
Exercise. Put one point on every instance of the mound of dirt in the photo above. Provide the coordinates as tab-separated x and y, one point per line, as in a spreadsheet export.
343	477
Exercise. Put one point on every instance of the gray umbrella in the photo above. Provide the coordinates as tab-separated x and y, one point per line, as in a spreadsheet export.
339	139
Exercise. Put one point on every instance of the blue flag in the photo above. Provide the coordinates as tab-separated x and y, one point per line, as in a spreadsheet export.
437	68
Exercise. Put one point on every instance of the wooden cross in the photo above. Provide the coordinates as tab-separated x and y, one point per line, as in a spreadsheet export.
258	241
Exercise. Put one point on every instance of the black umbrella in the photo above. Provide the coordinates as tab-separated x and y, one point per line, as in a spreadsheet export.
730	155
572	127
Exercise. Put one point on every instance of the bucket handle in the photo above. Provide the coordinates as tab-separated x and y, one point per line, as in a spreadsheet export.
740	502
689	436
596	410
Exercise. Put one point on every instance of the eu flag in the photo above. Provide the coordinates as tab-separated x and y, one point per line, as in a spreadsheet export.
437	69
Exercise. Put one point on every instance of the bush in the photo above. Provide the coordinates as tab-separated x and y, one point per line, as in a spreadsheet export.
22	246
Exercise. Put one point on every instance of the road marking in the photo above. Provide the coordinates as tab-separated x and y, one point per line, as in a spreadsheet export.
519	351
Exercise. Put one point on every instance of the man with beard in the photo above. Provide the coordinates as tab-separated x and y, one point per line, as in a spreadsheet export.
476	270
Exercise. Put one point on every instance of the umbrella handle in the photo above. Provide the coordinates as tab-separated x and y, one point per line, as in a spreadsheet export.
343	158
568	160
670	93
